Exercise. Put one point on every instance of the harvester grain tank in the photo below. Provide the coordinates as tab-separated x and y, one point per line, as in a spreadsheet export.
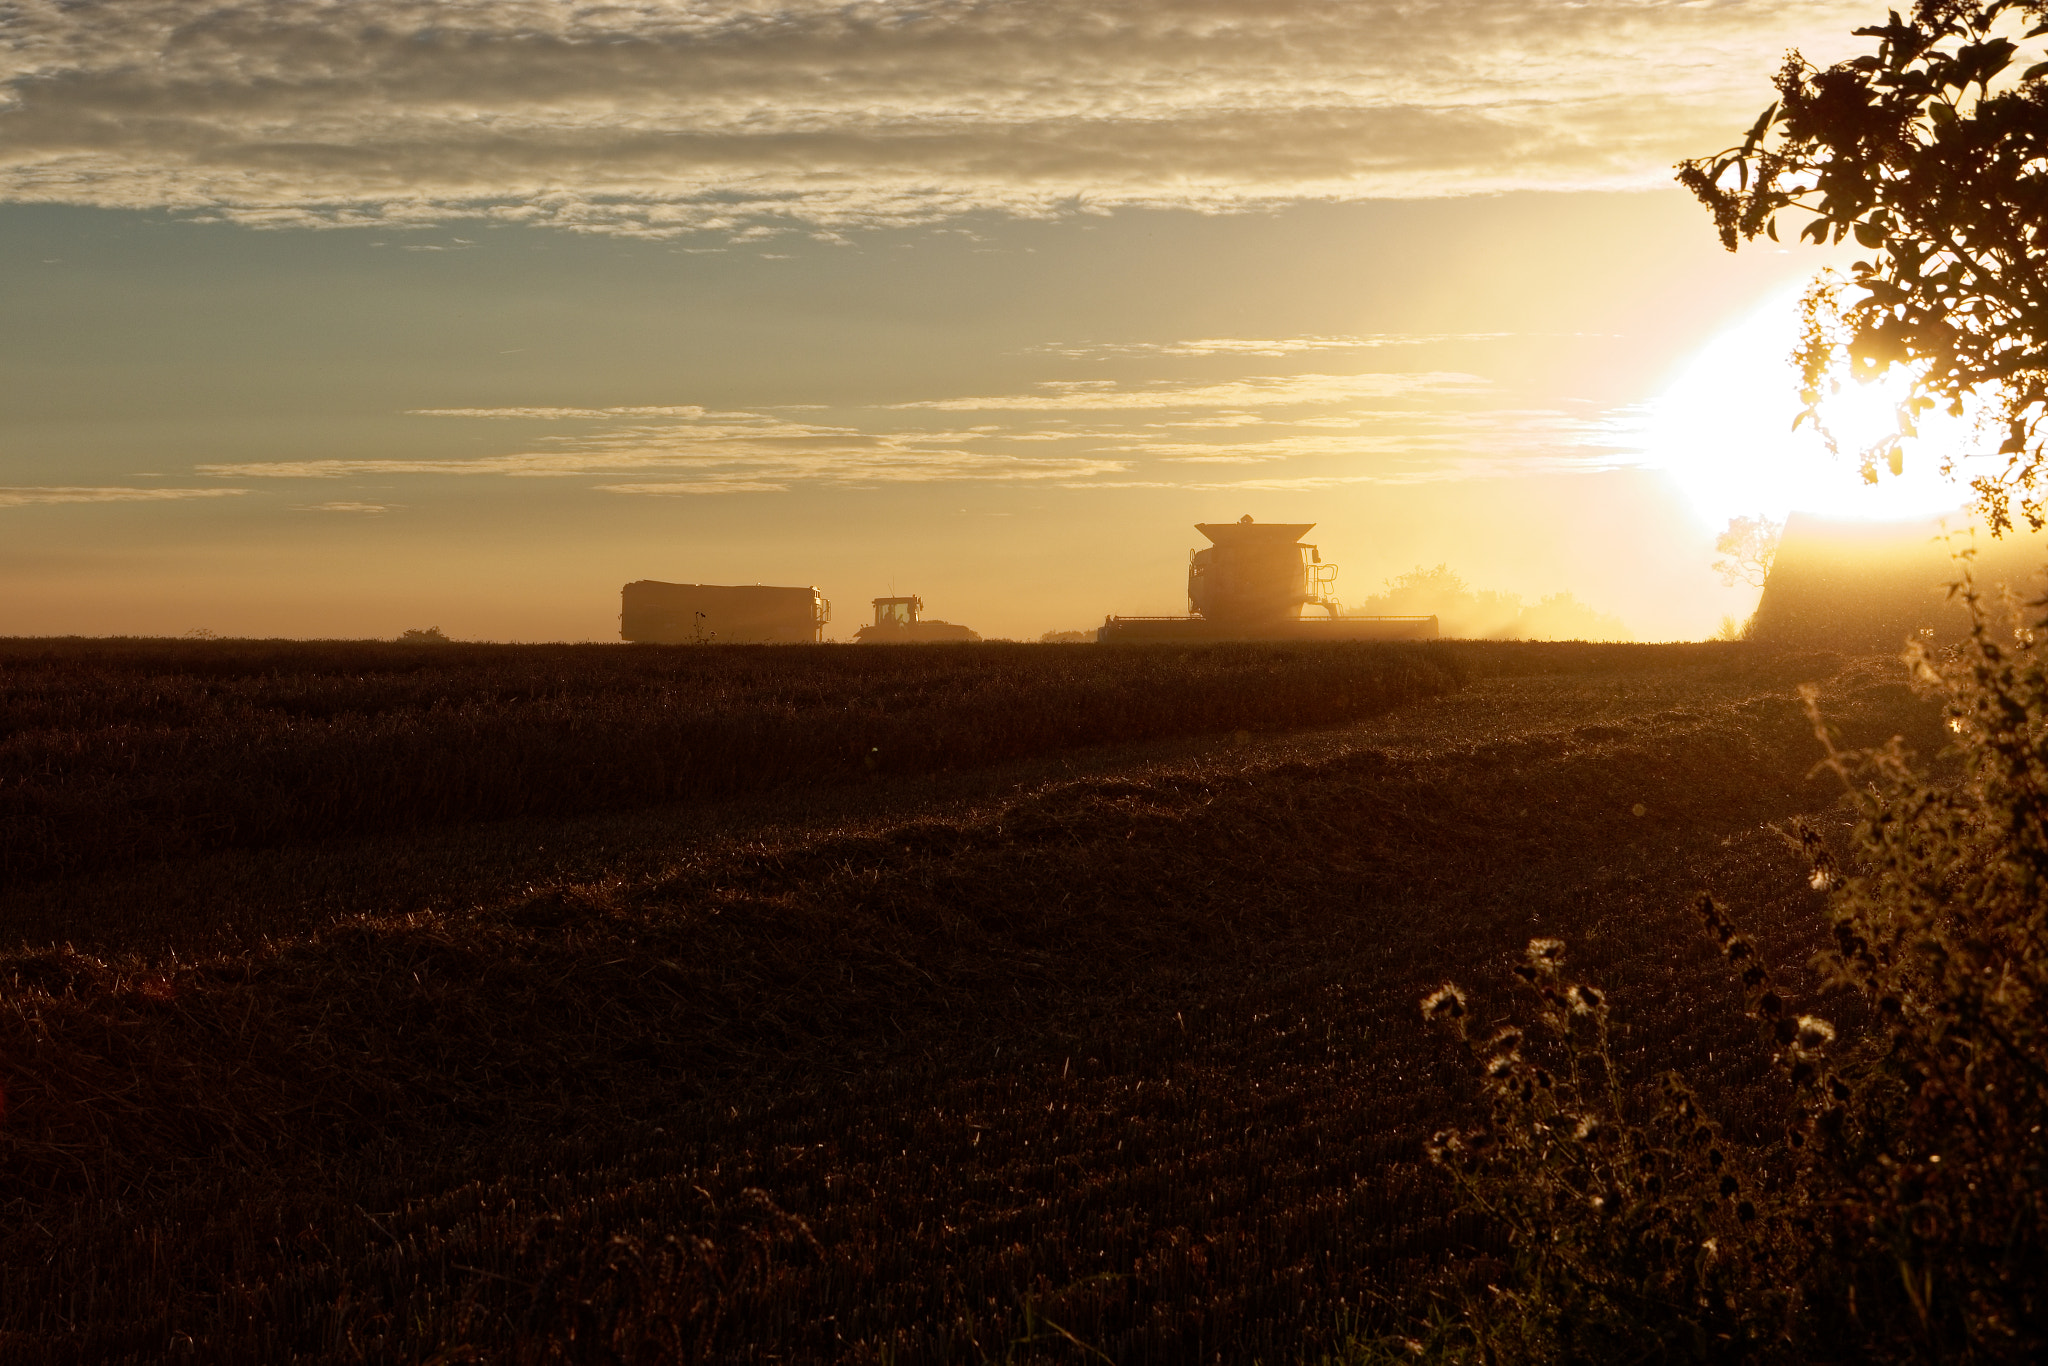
722	614
1252	583
897	622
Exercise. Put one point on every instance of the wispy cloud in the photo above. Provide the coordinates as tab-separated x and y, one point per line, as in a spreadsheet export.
1415	447
1515	465
1262	392
342	507
20	496
1337	429
687	487
665	116
564	414
1256	346
721	453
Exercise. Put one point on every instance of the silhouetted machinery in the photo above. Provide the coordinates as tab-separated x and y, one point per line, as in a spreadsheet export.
1251	584
723	614
897	623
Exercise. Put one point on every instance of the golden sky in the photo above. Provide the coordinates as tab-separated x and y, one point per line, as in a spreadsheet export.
336	319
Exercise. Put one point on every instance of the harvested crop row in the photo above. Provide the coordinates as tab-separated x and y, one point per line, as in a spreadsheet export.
113	752
1141	1054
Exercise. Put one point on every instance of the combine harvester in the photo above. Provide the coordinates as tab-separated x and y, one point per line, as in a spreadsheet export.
722	614
1251	584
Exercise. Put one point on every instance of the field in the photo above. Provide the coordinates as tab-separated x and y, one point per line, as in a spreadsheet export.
367	1003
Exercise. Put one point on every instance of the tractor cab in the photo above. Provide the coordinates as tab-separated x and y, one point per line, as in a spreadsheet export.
899	621
897	611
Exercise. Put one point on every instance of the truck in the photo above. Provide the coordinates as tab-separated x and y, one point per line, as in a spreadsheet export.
658	613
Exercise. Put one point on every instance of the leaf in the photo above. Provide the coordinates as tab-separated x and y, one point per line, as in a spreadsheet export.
1868	236
1758	129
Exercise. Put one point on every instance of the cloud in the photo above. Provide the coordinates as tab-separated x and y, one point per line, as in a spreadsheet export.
342	507
1252	346
1360	428
722	452
563	414
18	496
667	116
1435	472
1525	432
681	487
1265	391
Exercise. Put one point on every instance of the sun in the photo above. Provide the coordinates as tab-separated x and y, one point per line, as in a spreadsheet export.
1722	432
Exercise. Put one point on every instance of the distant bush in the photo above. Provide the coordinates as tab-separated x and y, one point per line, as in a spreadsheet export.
121	750
430	635
1902	1212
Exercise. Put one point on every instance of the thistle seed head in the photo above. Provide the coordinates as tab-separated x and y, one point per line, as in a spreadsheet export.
1815	1033
1445	1003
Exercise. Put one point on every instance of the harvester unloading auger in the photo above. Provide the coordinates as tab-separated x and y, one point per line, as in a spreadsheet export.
1252	584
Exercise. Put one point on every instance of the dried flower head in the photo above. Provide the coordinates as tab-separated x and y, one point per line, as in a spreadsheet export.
1546	953
1445	1003
1814	1032
1586	1000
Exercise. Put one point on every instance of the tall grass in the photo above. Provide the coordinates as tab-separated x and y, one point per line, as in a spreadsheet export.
119	751
1898	1209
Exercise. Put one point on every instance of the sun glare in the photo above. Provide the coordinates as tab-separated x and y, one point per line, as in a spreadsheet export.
1723	433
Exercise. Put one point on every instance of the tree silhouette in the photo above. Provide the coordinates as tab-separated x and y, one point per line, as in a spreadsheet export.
1932	153
1748	549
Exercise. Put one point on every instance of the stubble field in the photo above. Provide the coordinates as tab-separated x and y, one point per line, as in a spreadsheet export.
1095	1037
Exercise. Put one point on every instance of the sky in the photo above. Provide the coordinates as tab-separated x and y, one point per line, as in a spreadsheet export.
341	319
